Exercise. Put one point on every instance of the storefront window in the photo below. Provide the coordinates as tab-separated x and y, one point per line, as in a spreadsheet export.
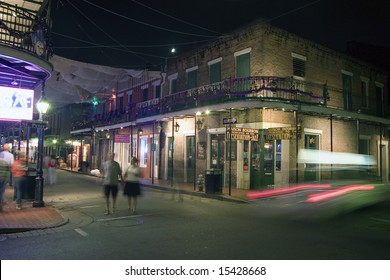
268	156
133	149
217	151
143	152
278	155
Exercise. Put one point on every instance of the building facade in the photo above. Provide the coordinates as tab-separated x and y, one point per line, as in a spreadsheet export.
244	106
25	49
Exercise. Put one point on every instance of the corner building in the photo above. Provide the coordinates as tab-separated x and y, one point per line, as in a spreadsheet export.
245	104
295	93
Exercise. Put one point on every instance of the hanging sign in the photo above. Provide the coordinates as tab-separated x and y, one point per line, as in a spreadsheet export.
229	121
122	138
283	133
34	124
241	133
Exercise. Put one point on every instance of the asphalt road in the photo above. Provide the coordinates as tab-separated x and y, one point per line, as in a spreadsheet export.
195	228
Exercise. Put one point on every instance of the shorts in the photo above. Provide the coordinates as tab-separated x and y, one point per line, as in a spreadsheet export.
113	189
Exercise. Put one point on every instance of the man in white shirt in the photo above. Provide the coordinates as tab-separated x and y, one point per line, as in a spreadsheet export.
8	159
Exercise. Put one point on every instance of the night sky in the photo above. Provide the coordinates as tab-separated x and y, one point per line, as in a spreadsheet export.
140	34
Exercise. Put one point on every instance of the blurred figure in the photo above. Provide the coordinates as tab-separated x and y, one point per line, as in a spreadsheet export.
45	168
132	187
19	171
52	170
72	160
4	175
111	172
8	158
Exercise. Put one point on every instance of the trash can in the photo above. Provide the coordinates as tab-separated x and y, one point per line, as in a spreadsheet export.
28	184
213	181
84	166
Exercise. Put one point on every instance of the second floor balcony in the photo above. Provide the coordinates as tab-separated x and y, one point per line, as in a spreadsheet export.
266	88
24	44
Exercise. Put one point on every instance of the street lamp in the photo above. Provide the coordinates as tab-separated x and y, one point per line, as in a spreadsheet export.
177	127
42	106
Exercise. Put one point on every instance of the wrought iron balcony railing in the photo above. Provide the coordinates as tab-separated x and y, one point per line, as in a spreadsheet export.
282	89
24	28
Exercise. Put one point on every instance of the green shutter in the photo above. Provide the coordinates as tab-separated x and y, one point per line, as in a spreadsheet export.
192	77
347	92
243	65
215	73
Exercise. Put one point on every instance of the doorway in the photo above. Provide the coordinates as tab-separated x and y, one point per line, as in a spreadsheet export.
384	163
190	159
170	158
262	162
217	153
311	171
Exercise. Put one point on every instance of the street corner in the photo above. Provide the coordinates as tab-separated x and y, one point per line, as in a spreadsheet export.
29	218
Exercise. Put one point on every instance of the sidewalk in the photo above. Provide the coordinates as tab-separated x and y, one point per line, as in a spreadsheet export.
34	218
28	218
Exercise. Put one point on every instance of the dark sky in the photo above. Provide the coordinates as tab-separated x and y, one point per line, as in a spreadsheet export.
133	34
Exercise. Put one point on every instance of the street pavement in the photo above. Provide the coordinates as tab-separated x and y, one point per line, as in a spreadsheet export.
31	218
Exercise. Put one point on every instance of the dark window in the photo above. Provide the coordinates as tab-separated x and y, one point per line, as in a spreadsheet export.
364	88
215	73
145	94
120	103
173	86
299	66
243	65
158	91
192	79
347	91
379	101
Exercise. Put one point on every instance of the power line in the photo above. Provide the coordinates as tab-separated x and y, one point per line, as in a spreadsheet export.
294	10
148	24
175	18
102	46
112	38
94	45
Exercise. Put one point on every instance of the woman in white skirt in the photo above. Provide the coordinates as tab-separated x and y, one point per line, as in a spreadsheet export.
132	187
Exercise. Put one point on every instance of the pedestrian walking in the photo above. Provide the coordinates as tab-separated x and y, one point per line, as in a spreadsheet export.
132	186
111	173
4	175
8	158
52	170
19	172
45	168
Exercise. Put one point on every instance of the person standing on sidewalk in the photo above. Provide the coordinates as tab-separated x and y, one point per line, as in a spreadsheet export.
52	170
8	157
111	173
132	187
19	171
4	175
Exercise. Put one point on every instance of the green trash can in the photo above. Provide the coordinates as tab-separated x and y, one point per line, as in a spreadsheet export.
28	184
213	182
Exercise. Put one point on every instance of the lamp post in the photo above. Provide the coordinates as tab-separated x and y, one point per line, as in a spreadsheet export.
42	106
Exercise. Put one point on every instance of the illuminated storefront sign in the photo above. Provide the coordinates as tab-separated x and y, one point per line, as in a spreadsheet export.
16	103
283	133
122	138
240	133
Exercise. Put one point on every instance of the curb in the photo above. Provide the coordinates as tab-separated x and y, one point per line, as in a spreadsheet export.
216	196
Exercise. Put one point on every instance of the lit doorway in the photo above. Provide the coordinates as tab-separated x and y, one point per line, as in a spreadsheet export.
217	154
262	162
190	159
170	158
311	171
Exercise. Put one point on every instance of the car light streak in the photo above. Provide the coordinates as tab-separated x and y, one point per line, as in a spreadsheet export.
338	192
269	193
